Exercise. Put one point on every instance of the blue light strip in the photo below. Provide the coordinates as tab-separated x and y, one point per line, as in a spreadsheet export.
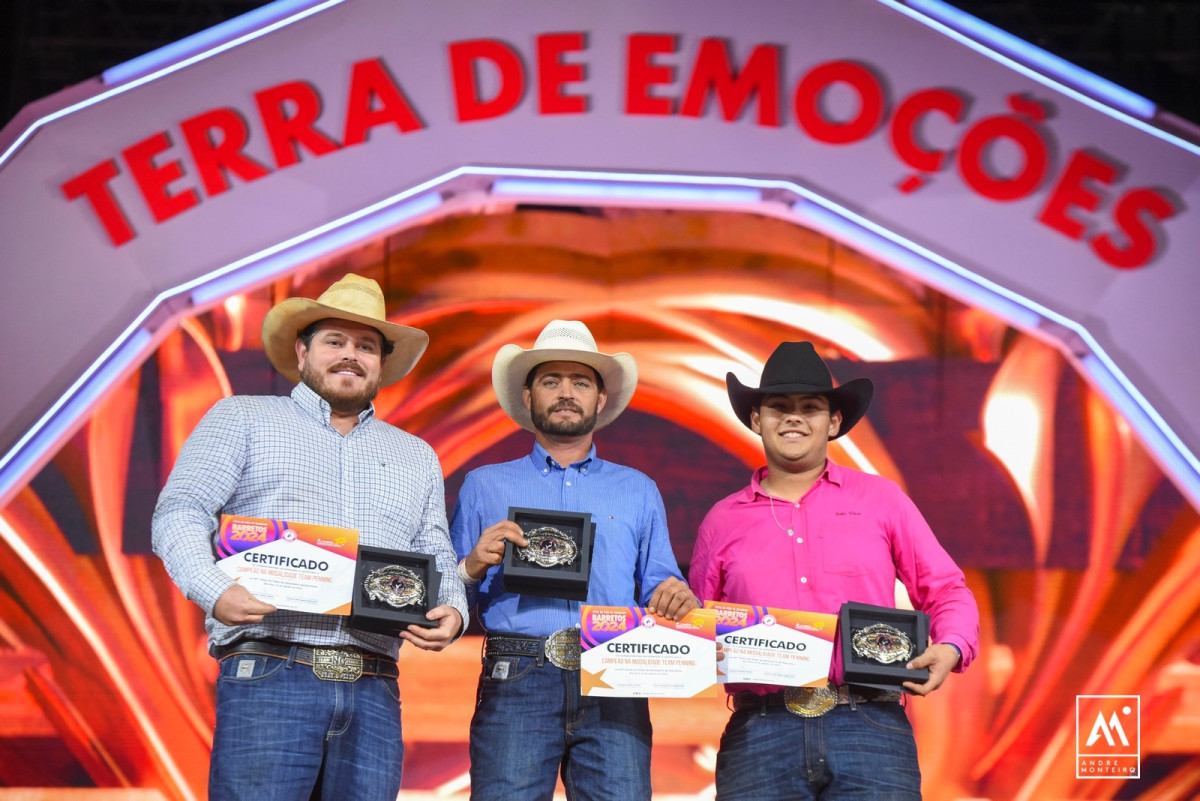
158	57
925	265
1023	312
237	276
1003	41
1160	440
1120	105
626	190
72	406
227	280
206	40
810	209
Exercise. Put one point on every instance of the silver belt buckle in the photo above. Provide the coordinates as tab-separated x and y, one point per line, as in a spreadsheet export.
810	702
562	649
337	664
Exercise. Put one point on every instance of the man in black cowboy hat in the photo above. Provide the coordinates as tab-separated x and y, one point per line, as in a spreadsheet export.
809	534
306	706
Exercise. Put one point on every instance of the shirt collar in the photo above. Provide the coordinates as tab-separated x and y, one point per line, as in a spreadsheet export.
833	474
541	458
317	407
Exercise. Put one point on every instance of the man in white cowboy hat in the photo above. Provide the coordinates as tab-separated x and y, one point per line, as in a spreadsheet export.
531	720
809	534
286	729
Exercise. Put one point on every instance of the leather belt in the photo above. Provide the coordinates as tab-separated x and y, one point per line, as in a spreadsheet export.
330	663
561	649
813	702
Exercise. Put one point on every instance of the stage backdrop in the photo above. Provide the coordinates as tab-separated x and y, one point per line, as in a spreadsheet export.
697	181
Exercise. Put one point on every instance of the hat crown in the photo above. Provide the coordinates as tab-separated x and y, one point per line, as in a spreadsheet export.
796	364
566	335
356	295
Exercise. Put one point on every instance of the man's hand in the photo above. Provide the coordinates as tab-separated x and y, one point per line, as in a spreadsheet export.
940	659
489	550
237	606
672	599
450	623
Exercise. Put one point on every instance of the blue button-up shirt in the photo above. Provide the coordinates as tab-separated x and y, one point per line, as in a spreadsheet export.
279	457
632	553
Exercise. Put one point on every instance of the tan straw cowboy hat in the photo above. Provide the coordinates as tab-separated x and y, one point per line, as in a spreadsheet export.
562	341
353	298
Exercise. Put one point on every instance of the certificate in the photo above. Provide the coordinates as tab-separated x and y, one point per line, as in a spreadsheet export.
761	645
631	653
298	566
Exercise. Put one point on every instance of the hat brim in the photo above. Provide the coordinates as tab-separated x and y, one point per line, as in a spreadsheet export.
513	363
284	322
852	398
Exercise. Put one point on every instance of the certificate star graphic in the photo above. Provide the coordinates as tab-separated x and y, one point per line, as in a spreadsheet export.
593	681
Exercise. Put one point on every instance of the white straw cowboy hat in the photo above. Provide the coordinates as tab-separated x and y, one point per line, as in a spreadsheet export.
562	341
796	367
353	298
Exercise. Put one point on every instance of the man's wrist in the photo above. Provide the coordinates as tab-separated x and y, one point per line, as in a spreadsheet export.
466	577
957	650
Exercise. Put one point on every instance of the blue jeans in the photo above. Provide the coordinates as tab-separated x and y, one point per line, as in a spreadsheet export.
283	734
531	718
863	753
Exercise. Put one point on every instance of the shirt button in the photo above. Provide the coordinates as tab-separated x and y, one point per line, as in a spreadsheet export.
799	540
804	579
568	483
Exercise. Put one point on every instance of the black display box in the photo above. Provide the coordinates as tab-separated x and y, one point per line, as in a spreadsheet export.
378	615
568	580
865	671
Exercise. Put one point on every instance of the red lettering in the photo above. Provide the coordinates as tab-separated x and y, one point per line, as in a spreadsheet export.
1141	234
714	74
464	58
908	117
977	143
287	134
641	73
93	185
554	74
371	84
214	157
1072	191
862	82
152	180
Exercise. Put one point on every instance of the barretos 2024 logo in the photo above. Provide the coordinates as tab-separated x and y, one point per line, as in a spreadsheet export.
1108	736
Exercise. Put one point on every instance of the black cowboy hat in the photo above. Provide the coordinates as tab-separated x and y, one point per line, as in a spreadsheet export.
795	367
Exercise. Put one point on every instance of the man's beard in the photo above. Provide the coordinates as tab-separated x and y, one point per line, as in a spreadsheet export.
564	428
340	401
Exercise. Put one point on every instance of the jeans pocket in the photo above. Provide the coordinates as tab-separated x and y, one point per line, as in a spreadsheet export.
504	668
391	686
243	668
886	717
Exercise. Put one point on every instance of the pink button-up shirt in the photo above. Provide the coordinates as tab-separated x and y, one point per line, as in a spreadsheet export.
853	535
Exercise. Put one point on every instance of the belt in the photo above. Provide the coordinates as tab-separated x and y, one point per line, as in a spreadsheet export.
561	648
813	702
330	663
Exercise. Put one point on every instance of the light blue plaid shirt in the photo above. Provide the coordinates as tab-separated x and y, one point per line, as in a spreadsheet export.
632	547
279	457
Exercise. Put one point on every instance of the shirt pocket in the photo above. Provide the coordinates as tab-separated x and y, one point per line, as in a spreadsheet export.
853	545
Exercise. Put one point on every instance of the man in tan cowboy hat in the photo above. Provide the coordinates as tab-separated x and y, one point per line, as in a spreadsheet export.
809	534
319	456
531	720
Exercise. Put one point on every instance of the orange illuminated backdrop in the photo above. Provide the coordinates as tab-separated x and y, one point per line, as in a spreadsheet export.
1081	555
